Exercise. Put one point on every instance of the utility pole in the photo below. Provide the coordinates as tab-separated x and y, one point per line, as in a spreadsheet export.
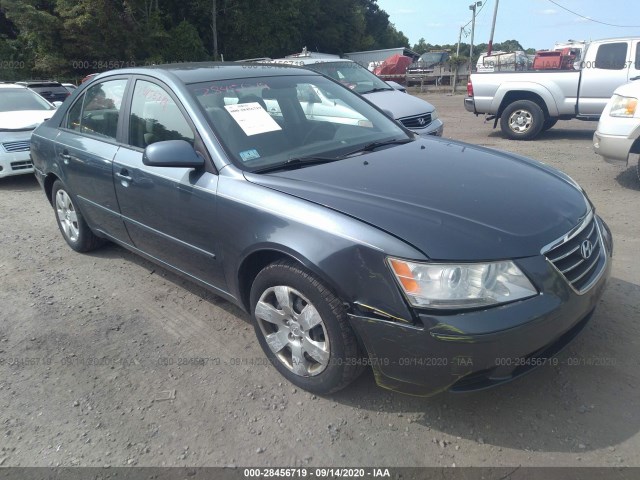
214	28
493	28
459	40
472	7
455	73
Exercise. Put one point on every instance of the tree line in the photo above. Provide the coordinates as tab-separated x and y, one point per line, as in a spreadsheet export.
70	38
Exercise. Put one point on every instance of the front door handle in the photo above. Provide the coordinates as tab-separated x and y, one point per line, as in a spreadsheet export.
635	78
124	175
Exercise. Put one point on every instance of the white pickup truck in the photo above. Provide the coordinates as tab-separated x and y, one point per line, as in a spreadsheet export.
527	103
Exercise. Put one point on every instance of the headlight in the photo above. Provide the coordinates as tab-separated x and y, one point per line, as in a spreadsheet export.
623	106
464	285
434	115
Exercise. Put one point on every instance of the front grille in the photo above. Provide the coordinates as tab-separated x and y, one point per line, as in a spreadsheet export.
580	257
24	165
19	146
417	121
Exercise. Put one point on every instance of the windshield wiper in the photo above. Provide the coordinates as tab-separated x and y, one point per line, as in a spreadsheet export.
296	162
377	89
369	147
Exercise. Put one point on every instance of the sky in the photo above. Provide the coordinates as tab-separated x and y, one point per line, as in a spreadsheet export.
534	23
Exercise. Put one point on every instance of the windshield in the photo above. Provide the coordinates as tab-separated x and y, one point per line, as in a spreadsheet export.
18	99
431	58
350	74
267	121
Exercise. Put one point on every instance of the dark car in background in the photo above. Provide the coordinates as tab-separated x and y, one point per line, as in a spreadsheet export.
47	89
351	241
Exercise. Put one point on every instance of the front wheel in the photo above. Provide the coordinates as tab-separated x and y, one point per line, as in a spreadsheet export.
302	327
522	120
72	224
549	123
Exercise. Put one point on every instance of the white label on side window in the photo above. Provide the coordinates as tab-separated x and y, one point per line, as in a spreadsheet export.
252	118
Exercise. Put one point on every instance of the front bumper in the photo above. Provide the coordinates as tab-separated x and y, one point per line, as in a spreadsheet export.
15	163
469	105
480	349
613	148
435	128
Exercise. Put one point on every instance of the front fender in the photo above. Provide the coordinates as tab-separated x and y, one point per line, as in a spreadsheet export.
345	253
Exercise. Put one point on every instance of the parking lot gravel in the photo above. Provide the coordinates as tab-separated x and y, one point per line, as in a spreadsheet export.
107	359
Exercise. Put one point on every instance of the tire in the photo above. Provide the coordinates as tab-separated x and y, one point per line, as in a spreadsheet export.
303	330
522	120
549	124
72	224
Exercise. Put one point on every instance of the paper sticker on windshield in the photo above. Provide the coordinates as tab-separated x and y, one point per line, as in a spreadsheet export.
252	118
249	155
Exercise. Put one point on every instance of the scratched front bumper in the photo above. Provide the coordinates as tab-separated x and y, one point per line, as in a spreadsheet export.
479	349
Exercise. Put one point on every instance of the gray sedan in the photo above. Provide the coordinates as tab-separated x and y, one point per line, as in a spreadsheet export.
351	241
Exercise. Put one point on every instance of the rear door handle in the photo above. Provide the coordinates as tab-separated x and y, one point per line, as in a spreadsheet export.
64	155
635	78
124	175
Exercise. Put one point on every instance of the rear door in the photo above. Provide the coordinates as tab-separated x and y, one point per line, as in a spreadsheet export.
170	212
86	147
603	70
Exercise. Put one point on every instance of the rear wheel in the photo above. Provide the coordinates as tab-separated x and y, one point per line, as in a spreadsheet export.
72	225
302	328
522	120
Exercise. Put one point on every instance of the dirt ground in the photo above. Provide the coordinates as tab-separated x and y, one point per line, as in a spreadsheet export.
107	359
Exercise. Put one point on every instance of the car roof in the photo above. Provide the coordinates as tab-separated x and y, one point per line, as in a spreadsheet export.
11	85
39	83
307	60
210	71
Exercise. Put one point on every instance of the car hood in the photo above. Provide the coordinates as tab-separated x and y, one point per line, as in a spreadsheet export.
24	119
450	200
399	104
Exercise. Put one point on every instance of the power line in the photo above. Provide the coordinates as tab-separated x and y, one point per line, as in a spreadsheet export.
591	19
477	13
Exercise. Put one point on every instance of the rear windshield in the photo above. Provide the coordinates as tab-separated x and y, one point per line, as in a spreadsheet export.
350	74
48	87
18	99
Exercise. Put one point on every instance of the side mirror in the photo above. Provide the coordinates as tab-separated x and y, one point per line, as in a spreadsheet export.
172	153
57	103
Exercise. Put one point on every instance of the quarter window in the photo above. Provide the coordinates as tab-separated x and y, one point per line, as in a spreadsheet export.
155	117
612	56
73	117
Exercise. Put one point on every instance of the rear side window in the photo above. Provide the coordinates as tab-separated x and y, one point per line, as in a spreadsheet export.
612	56
155	117
97	111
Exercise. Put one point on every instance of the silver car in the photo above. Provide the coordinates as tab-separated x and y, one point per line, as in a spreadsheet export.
617	138
415	114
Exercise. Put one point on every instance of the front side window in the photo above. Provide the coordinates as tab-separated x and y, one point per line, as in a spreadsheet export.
155	117
100	109
612	56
